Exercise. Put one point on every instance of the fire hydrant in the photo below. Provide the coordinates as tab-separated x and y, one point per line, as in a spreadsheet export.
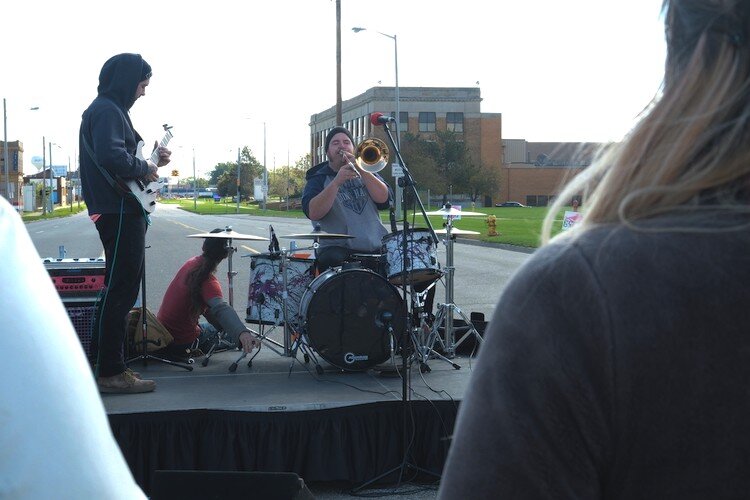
492	226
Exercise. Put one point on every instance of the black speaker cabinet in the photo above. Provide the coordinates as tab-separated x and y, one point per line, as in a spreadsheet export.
81	311
216	485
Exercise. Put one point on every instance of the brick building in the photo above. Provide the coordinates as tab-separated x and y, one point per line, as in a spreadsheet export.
423	111
530	172
534	172
15	170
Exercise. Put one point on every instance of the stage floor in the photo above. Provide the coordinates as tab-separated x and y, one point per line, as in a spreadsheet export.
276	383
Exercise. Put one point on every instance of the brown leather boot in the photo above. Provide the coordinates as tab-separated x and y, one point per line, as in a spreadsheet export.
124	383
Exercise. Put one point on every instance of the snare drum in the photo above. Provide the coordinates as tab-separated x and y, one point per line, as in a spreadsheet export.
421	258
347	315
265	298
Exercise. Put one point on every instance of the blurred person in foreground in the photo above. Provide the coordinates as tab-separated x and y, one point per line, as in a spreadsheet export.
636	385
55	439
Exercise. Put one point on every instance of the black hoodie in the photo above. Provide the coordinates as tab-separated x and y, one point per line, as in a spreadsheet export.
107	129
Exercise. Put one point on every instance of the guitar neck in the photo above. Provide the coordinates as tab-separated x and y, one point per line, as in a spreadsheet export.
162	144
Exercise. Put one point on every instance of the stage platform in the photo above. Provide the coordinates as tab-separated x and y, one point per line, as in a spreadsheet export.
280	415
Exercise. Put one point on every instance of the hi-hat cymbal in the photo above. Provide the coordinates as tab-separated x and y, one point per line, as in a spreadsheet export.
229	234
455	230
452	212
315	235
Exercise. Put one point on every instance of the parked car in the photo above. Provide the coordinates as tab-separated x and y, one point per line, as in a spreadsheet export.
510	204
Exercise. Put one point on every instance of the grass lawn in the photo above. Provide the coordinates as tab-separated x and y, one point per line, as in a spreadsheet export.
57	212
516	226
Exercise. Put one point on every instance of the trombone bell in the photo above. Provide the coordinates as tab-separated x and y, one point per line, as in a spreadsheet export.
372	155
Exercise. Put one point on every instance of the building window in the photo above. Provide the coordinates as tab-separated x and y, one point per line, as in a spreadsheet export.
426	121
454	122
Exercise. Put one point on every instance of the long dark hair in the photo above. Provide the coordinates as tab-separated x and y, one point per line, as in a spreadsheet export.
214	251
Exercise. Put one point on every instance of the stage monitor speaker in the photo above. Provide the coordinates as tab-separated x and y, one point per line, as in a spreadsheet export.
218	485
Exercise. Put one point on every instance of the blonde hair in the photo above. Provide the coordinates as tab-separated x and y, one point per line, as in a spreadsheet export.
690	150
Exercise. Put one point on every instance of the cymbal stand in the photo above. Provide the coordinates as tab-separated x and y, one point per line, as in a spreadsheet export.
444	316
222	342
424	338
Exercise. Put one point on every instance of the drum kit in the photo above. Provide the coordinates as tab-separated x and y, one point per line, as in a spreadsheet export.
351	315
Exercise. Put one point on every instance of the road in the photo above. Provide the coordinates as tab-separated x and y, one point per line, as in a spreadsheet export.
481	272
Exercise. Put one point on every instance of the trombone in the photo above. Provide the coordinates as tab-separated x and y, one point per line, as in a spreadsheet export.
371	155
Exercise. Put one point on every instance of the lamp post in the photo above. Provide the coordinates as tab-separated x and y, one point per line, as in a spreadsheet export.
195	185
265	170
44	178
398	108
238	180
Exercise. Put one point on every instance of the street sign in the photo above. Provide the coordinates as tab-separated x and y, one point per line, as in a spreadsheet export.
396	170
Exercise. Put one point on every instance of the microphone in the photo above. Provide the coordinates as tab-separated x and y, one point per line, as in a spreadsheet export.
273	245
381	119
392	216
383	319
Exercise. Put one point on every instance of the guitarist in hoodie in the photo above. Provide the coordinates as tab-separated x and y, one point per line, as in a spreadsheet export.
108	144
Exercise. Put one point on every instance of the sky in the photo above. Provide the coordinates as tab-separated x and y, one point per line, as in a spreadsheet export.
228	74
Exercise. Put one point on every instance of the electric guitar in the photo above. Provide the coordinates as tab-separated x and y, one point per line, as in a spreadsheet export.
145	192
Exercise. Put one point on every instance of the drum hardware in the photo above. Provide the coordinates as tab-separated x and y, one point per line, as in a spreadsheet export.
449	211
316	235
446	310
424	337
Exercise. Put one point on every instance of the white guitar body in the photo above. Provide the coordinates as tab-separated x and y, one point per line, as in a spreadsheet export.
146	192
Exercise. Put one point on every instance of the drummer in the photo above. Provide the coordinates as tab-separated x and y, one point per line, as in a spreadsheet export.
340	197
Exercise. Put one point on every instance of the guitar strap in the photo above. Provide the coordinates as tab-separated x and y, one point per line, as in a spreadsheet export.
112	182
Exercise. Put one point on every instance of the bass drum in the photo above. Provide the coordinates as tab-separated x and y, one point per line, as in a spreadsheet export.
347	315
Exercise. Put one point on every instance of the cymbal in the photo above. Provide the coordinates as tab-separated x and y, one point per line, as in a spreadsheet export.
316	235
229	234
452	212
456	230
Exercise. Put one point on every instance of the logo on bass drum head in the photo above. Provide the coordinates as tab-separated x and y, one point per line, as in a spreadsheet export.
350	358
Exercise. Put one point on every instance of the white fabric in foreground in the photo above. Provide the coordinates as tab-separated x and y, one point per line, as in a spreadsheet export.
55	439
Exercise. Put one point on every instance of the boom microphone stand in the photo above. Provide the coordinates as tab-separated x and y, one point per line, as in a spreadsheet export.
408	182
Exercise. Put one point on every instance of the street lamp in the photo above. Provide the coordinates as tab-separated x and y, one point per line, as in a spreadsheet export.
238	180
398	108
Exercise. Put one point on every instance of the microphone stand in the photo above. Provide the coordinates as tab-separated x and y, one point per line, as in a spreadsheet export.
405	465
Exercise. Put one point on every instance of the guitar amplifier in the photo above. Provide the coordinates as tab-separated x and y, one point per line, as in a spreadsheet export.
78	282
76	277
81	311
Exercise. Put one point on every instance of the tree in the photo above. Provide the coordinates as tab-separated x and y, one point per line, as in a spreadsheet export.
224	175
200	182
443	164
290	180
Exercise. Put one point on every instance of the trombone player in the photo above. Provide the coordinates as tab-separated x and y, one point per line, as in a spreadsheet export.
342	197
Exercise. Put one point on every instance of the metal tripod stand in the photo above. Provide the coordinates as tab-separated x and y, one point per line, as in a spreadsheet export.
446	311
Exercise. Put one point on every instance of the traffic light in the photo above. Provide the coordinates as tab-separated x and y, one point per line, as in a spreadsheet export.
175	173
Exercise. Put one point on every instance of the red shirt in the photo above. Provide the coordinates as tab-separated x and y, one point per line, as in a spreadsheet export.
174	312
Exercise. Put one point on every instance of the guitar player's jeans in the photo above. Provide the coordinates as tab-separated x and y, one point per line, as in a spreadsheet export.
124	242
